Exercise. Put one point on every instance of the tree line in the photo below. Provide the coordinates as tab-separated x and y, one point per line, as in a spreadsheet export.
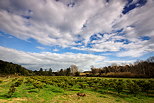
71	71
9	68
138	69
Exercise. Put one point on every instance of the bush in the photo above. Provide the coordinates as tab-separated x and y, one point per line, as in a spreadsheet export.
27	81
55	89
105	84
1	81
11	91
18	83
12	87
119	86
145	85
83	85
14	79
38	85
133	87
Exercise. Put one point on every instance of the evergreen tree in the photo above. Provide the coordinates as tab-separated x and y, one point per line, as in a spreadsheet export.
41	71
50	72
68	72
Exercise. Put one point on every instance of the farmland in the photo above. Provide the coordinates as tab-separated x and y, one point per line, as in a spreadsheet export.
64	89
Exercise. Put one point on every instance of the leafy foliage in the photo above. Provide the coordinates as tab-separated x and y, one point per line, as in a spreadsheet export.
119	85
11	68
133	87
11	91
13	87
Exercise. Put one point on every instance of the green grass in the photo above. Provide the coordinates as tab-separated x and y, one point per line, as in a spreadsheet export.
26	93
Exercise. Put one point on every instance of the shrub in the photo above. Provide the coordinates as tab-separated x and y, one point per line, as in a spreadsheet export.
83	85
1	81
14	79
133	87
38	85
105	84
56	89
18	83
11	91
63	85
28	81
145	85
119	85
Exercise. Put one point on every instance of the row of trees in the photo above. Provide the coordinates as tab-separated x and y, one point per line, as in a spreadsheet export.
72	70
44	72
139	68
62	72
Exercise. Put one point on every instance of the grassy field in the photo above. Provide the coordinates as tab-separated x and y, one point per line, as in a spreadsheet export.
29	92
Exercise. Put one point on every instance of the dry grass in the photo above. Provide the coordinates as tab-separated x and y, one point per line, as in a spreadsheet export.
122	74
89	98
13	100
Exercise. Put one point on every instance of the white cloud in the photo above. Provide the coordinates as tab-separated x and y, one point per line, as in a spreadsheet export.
136	49
55	23
109	46
10	37
55	49
141	19
102	47
132	53
49	60
39	47
133	2
138	22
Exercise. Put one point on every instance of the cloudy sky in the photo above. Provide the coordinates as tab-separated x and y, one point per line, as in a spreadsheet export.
58	33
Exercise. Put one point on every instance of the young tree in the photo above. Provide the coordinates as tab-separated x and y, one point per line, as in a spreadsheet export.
77	73
41	71
73	69
61	72
50	72
68	72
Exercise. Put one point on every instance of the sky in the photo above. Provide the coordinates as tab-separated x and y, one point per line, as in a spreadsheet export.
59	33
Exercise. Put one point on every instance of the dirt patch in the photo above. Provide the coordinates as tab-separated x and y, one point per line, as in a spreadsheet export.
13	100
3	101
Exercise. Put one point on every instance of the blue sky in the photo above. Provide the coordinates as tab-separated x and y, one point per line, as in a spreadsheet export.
56	34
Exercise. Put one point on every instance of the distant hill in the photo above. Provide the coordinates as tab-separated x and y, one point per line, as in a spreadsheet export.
7	68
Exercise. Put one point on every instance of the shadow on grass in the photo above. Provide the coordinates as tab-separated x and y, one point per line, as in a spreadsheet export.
124	94
29	88
32	91
4	96
73	89
113	93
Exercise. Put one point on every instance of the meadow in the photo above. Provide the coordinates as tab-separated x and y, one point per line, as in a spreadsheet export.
65	89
